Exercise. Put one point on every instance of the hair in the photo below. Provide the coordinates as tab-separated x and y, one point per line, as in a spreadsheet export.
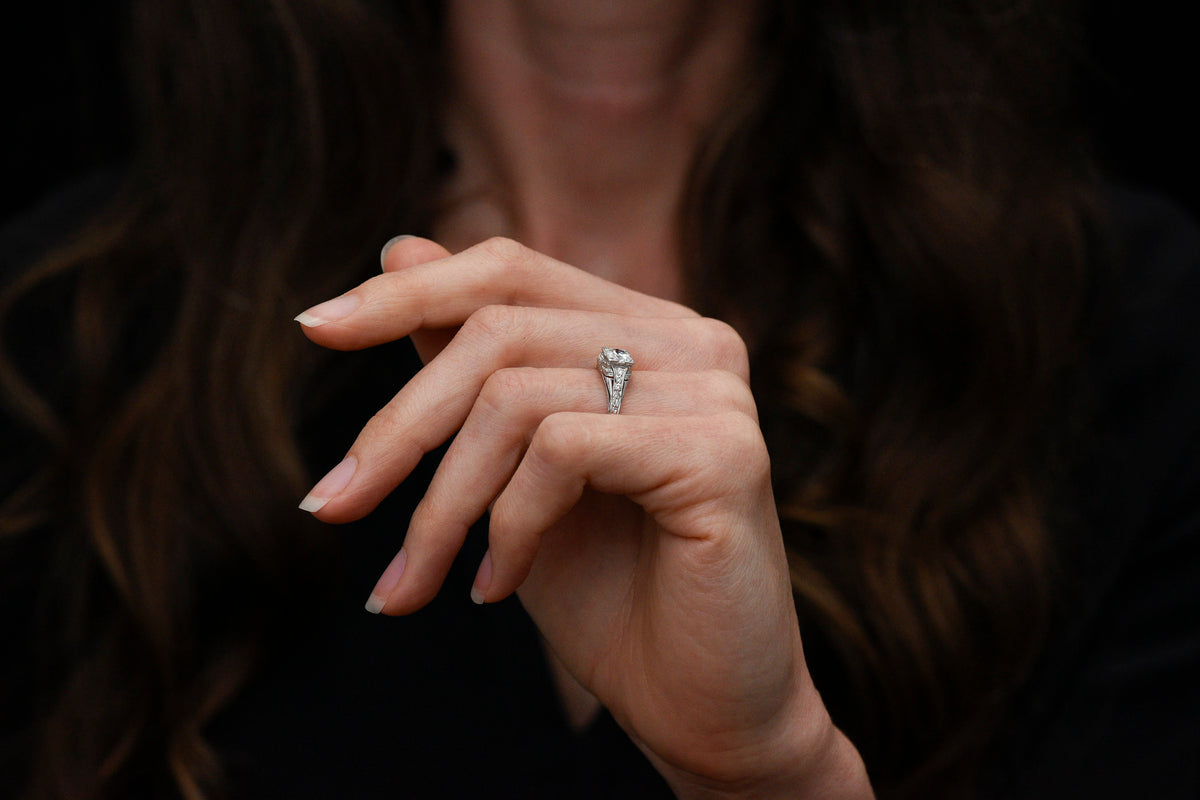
895	215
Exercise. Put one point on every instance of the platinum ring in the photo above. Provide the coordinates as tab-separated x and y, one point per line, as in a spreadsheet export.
614	365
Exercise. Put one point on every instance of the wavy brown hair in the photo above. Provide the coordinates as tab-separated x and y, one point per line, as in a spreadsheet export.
894	214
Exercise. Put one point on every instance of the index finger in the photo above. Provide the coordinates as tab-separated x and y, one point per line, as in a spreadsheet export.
401	253
445	292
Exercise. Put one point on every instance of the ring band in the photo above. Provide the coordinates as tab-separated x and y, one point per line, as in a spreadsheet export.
614	365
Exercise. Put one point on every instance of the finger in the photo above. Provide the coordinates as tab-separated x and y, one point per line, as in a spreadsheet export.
690	473
405	252
486	452
434	404
444	293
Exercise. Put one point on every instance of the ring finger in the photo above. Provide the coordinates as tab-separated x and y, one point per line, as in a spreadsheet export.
436	402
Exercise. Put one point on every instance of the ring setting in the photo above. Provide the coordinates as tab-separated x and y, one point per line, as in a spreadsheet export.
614	365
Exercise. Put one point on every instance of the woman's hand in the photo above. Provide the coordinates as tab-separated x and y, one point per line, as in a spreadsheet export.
645	545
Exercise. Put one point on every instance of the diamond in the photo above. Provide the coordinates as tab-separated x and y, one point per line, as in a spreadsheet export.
611	359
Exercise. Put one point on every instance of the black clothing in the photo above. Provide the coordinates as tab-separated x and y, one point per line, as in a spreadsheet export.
456	700
1114	709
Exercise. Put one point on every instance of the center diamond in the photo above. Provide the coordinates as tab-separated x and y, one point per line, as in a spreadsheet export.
611	359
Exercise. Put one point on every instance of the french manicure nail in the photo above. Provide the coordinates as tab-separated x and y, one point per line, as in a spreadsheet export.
329	311
483	579
388	246
329	486
387	582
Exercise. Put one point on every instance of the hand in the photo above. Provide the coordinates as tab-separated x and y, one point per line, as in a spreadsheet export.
645	546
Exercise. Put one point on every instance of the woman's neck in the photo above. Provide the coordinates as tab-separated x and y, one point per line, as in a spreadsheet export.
576	123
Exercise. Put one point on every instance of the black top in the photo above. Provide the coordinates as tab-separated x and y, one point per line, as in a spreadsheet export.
456	700
1114	709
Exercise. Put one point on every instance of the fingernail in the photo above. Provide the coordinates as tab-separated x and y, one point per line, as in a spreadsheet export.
483	579
388	246
387	582
329	311
329	486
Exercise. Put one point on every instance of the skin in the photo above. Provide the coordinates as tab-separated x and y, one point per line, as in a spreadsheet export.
646	545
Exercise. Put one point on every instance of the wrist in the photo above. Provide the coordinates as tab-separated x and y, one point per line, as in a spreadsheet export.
836	774
807	756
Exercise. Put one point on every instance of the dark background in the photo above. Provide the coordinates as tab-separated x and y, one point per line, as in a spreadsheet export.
64	112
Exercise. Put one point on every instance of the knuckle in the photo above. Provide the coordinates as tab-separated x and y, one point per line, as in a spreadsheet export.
491	322
383	424
510	265
377	286
507	386
424	514
506	251
383	296
741	435
439	513
557	439
731	392
388	437
503	520
726	346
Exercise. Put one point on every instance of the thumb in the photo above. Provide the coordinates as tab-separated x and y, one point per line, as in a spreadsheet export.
402	252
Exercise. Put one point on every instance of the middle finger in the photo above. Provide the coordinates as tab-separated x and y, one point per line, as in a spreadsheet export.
435	403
